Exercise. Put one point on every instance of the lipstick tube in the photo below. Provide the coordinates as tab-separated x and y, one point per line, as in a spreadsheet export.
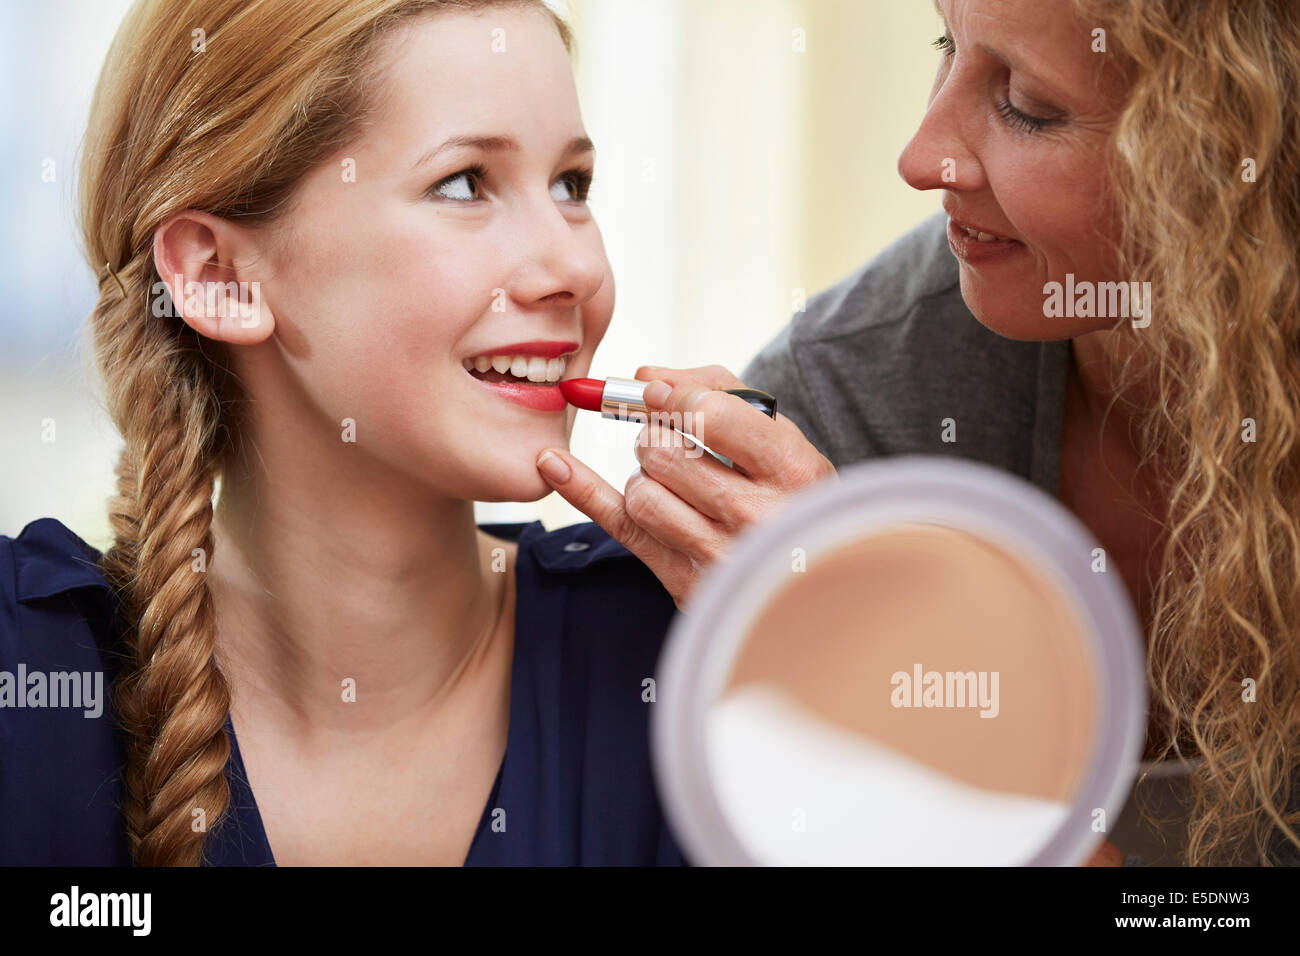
624	398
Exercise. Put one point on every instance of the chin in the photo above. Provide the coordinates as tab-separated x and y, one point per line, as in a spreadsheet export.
524	486
1019	321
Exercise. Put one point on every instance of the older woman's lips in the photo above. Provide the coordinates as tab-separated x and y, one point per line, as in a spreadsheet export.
975	251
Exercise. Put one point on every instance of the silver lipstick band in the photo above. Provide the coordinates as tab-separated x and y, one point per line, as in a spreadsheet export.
623	399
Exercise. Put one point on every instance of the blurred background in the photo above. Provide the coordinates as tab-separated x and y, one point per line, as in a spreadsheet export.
746	154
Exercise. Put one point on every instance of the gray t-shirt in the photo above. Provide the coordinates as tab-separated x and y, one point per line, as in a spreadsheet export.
877	364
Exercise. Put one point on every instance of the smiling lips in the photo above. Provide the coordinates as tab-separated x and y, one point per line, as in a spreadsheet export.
540	362
980	236
973	245
973	230
521	367
525	373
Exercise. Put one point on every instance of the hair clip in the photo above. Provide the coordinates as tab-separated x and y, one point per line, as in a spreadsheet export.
115	278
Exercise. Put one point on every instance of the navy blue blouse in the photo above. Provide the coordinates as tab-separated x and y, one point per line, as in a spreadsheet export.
575	786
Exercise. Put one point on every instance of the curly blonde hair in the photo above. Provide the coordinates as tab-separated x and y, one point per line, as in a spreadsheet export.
226	121
1205	159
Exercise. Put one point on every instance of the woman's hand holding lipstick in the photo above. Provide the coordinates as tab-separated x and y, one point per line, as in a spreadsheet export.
681	511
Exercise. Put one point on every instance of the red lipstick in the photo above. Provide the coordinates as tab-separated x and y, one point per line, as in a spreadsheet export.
541	396
541	348
623	398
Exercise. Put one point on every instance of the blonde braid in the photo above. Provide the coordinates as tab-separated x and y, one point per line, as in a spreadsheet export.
172	700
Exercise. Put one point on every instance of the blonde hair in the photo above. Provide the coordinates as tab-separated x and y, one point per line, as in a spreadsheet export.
278	87
1211	94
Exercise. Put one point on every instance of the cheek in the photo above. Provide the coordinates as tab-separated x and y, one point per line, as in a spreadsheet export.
378	318
423	314
1048	197
598	311
407	298
1055	199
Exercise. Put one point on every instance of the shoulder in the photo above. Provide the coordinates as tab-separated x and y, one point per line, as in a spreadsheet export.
917	268
48	558
901	321
50	583
875	363
58	745
868	330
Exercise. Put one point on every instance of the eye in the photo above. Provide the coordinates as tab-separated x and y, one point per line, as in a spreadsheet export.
463	186
945	45
1020	120
573	186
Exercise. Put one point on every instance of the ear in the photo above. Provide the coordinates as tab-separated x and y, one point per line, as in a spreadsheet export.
204	262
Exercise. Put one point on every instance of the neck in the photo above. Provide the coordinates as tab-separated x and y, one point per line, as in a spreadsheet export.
1096	360
328	567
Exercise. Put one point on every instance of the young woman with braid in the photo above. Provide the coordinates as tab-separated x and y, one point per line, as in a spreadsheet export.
400	187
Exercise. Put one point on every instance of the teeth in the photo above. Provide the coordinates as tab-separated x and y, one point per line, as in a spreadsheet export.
530	367
981	236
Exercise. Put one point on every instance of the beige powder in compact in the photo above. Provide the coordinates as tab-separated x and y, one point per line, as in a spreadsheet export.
835	634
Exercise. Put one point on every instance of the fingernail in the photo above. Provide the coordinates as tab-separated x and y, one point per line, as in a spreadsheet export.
553	467
656	393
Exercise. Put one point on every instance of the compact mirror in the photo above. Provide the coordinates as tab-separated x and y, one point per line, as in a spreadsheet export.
924	663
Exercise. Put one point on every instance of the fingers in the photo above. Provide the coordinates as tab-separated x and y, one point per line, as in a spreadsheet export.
683	507
681	466
710	376
593	496
671	521
771	450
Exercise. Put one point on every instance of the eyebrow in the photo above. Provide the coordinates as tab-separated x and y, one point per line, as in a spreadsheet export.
497	144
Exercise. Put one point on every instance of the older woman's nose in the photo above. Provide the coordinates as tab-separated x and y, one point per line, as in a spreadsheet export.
938	156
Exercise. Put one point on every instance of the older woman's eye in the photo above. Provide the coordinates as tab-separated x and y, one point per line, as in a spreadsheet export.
945	45
463	186
1022	121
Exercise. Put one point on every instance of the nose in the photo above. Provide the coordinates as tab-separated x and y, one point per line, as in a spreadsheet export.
561	260
940	154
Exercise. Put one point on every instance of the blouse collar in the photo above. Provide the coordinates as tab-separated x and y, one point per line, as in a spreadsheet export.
50	559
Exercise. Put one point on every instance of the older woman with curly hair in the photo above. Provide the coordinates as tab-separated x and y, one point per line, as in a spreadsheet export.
1157	142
